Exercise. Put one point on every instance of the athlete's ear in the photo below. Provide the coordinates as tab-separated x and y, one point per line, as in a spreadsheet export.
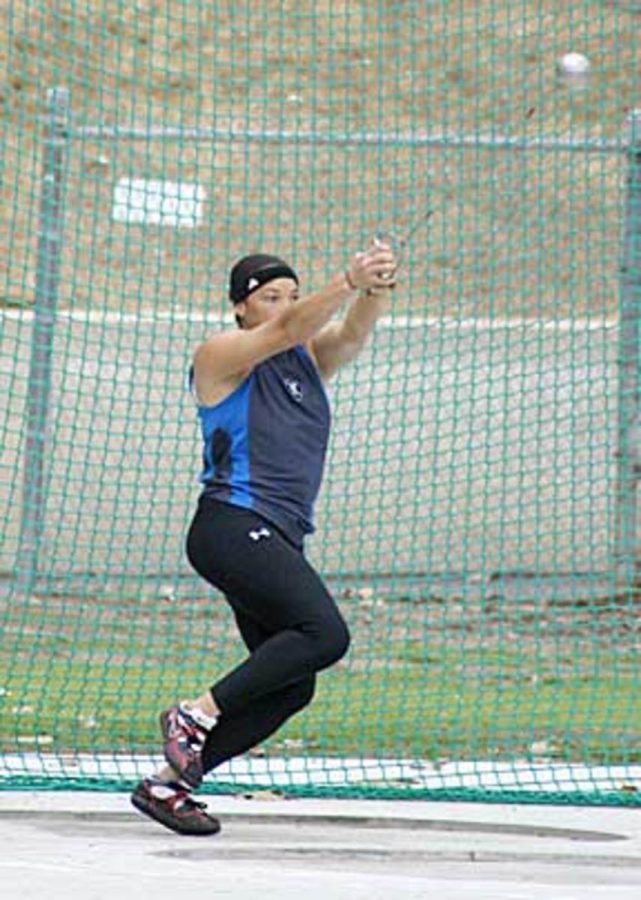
239	313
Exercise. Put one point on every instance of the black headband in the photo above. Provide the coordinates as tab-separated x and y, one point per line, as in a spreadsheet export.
253	271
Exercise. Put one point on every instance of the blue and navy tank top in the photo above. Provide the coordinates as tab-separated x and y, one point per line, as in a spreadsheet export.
265	444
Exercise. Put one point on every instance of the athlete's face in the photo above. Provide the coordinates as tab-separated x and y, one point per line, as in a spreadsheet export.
267	301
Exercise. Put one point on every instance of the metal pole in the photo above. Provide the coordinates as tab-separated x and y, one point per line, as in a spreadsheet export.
629	430
50	233
441	140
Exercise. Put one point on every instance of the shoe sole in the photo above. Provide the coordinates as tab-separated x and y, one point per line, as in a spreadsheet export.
148	809
193	778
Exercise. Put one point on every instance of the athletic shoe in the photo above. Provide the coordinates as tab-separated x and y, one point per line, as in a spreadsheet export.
184	740
173	807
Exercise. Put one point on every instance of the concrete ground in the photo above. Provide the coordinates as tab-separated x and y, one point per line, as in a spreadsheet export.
96	847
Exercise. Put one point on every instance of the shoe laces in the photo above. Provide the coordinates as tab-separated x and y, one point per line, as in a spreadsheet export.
184	800
193	733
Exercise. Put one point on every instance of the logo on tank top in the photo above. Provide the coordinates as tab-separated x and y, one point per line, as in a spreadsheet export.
294	389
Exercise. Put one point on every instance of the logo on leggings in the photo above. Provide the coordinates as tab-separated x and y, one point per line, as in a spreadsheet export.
259	533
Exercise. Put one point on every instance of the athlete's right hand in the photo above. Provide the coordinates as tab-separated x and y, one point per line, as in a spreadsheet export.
373	268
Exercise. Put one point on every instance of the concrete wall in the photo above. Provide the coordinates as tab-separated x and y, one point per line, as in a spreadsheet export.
471	446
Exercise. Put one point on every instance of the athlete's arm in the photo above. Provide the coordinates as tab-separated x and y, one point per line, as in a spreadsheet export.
230	354
338	343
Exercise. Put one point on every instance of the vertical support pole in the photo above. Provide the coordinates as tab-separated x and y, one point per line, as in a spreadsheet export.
49	252
629	432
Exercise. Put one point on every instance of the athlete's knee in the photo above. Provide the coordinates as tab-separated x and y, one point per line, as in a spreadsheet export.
301	694
342	641
333	643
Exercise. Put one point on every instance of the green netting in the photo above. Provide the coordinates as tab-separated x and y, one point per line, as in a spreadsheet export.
477	521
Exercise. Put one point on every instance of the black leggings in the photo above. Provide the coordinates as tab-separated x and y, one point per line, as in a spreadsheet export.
285	615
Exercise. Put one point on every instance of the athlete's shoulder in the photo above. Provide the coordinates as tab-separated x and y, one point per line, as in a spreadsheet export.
235	352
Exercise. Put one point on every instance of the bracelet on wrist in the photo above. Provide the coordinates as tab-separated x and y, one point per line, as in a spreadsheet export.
379	291
350	283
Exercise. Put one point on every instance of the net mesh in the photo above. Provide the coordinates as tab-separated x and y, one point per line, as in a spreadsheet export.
477	522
